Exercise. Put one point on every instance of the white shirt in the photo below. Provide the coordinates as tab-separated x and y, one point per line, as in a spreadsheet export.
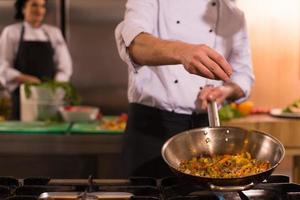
9	43
218	24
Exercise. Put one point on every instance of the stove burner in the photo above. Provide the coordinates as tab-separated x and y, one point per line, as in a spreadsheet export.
276	188
142	188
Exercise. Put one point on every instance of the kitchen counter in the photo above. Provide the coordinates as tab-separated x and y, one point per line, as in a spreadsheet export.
104	149
61	156
60	152
57	138
67	144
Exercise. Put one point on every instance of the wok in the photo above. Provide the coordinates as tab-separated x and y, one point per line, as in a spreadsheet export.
222	140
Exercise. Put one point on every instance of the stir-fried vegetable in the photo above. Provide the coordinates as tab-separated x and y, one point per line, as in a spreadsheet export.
224	166
116	124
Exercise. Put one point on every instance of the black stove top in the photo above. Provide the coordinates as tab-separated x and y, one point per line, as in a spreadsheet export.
145	188
276	188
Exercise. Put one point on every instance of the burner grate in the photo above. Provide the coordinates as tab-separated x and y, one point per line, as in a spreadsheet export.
276	188
144	188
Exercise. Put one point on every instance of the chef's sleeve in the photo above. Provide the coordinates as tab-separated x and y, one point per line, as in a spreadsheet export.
240	60
140	17
7	54
62	58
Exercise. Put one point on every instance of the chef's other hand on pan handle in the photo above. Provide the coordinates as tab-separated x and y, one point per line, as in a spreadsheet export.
228	91
25	78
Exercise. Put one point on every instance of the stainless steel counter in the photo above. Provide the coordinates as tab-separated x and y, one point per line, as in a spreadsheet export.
40	144
60	156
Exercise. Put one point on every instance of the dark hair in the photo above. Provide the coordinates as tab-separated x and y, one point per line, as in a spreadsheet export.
19	5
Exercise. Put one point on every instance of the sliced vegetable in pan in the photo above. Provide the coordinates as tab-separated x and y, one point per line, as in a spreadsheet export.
224	166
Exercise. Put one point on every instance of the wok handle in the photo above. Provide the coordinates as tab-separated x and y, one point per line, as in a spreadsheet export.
230	188
213	115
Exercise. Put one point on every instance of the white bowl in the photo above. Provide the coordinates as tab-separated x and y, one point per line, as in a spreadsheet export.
79	113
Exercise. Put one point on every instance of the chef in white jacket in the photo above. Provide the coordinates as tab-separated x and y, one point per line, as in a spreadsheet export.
180	55
31	51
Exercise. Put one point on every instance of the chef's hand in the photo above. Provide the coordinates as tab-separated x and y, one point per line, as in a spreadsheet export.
228	91
25	78
204	61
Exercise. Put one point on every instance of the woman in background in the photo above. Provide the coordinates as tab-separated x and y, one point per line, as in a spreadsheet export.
31	50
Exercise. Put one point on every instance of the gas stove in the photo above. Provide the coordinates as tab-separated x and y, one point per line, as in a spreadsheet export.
138	188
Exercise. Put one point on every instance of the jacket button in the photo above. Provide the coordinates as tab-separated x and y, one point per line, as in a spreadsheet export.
176	81
210	30
213	3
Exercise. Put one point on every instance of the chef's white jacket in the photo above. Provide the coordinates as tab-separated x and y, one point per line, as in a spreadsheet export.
216	23
9	43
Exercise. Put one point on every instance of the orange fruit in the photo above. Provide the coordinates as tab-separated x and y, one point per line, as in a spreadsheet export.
245	108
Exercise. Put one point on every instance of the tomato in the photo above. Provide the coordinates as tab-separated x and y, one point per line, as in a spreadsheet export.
99	116
68	108
260	110
123	117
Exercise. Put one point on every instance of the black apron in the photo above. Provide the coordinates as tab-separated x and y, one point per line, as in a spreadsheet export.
33	58
147	130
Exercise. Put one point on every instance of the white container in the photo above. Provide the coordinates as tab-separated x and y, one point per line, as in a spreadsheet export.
46	94
43	103
79	113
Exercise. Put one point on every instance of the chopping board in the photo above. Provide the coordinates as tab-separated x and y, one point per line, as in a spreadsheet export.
94	128
18	127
